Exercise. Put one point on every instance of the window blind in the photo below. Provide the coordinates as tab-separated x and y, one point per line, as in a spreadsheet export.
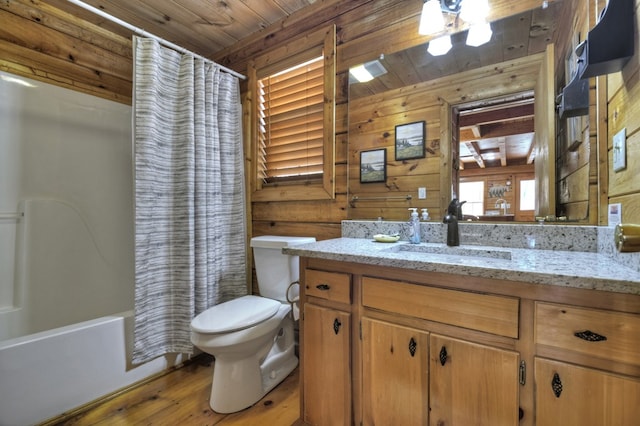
290	131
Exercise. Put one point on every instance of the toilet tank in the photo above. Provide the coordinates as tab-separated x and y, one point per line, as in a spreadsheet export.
275	270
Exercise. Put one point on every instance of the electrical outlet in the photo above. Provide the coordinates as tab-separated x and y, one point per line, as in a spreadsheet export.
422	193
620	150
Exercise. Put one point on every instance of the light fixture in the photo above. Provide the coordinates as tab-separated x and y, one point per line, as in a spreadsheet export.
474	11
431	19
368	71
439	46
360	73
479	34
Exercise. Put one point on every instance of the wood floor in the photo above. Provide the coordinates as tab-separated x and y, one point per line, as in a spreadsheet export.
182	398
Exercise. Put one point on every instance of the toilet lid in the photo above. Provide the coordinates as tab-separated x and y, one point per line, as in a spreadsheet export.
235	314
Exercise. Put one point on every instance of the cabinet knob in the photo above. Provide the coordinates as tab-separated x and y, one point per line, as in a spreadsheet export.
443	355
336	325
323	287
413	345
556	385
590	336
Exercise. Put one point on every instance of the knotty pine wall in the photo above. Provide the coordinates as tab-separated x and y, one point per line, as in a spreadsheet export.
622	91
372	121
39	41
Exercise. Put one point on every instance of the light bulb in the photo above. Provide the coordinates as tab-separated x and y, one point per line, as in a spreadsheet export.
431	19
474	11
479	34
440	45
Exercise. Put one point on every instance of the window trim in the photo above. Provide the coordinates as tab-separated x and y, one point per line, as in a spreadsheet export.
320	42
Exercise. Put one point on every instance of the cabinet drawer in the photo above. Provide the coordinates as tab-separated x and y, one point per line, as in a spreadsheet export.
328	285
483	312
604	334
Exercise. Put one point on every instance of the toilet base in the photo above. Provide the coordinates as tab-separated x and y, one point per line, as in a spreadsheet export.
239	384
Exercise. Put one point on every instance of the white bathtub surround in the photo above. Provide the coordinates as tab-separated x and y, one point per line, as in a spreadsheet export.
45	374
189	191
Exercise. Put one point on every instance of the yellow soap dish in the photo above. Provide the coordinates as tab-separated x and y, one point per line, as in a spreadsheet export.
383	238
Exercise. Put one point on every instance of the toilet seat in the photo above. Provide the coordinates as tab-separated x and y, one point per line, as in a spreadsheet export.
236	314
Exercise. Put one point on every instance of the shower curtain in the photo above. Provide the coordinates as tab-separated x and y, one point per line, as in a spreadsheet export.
190	237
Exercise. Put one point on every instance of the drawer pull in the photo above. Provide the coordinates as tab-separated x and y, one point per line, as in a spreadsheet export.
336	325
443	355
323	287
413	345
556	385
590	336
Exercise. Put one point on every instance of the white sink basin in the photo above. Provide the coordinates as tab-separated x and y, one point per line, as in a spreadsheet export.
465	251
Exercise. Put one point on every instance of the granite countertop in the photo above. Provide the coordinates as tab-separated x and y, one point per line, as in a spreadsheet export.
586	270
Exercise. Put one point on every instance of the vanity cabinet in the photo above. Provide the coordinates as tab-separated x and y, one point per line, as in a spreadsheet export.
395	374
430	348
445	379
568	394
472	383
588	393
326	358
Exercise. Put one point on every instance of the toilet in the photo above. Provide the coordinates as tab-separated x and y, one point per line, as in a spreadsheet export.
252	337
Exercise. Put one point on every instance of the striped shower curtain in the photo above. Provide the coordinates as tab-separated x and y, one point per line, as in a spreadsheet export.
189	195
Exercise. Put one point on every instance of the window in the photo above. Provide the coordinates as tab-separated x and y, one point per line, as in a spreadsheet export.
290	117
473	194
293	136
528	194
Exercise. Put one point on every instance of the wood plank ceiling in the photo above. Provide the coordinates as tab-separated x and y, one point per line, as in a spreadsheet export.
204	27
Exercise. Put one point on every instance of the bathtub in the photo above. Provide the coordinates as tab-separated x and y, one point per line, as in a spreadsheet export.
66	251
46	374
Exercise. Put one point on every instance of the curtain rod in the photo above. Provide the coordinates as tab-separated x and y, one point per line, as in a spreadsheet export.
143	33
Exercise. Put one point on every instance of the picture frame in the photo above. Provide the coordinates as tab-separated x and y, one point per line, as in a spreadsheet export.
373	166
410	140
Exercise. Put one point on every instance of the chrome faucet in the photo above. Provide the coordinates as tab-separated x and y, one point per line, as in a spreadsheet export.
454	213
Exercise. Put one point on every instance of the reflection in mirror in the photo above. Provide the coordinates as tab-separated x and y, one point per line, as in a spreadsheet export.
478	105
496	158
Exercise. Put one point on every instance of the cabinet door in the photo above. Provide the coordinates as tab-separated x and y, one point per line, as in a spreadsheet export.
395	374
472	384
571	395
326	366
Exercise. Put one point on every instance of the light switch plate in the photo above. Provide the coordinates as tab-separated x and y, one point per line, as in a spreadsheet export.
620	150
422	193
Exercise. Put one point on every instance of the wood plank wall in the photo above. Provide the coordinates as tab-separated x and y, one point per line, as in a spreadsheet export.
39	41
623	112
372	122
574	159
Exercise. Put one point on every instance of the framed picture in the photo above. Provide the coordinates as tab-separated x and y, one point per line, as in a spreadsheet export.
410	140
373	166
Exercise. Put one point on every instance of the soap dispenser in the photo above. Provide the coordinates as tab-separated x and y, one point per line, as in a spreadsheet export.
425	215
414	226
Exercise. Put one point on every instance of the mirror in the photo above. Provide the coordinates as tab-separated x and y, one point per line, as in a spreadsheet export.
482	117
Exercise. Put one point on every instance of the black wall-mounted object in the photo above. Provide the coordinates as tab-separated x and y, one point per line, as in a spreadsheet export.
574	99
609	45
451	6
